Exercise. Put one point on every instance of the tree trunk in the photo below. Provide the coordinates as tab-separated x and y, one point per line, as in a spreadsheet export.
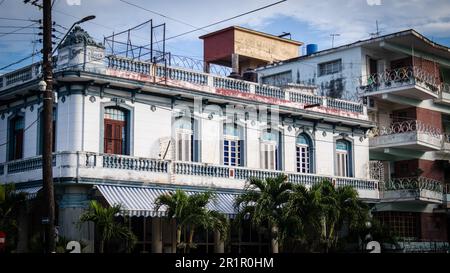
191	238
274	236
178	235
102	246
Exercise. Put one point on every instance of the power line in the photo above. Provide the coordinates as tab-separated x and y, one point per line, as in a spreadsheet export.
24	130
225	20
21	60
157	13
17	19
16	31
23	27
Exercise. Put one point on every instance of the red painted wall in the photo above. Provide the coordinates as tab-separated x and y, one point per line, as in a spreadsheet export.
431	169
430	117
426	116
433	226
429	67
218	46
408	168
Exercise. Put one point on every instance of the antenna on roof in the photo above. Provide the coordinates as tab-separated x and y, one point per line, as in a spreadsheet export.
332	38
284	34
377	33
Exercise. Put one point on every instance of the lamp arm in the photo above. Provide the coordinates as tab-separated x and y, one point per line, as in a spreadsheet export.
62	40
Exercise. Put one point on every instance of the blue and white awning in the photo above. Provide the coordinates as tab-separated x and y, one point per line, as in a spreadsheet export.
140	201
31	192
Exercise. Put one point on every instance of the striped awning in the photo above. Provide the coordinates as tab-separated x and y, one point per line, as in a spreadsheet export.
140	201
31	192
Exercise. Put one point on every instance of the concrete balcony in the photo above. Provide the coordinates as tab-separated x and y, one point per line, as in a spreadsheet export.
411	82
411	134
413	189
89	168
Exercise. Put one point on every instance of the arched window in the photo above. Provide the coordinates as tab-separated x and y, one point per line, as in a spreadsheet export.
184	138
271	150
304	153
116	133
16	133
343	158
233	145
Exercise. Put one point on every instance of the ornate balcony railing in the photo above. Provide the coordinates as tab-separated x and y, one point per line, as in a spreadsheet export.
204	79
29	164
233	84
305	98
241	173
128	64
182	75
133	163
413	183
188	168
270	91
344	105
405	127
98	166
401	77
21	75
198	78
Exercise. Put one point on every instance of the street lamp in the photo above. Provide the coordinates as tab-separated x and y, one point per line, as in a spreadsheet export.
85	19
42	86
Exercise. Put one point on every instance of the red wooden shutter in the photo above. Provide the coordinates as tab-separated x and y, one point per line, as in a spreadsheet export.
108	143
19	144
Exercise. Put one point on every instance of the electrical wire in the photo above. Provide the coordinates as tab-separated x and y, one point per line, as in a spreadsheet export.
15	31
24	130
157	13
21	60
17	19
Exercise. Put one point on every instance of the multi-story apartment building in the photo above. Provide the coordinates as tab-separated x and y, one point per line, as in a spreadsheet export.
403	78
127	131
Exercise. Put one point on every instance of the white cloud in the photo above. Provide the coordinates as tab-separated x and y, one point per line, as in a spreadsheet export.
352	19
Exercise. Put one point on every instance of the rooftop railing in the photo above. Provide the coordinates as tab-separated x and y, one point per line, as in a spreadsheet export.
194	77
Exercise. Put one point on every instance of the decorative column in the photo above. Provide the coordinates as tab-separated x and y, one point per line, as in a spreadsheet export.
157	246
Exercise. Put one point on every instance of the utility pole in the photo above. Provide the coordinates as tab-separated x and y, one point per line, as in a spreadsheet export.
47	172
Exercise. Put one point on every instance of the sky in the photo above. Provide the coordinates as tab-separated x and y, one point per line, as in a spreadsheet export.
306	21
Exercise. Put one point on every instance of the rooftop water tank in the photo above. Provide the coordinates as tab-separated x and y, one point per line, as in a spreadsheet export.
311	49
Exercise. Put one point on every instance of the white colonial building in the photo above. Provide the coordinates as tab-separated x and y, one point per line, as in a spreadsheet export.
127	131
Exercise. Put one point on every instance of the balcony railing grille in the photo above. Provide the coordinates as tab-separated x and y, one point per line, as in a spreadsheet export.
400	77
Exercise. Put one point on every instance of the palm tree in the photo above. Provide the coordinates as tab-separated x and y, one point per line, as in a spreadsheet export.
107	227
263	201
10	200
190	211
323	211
